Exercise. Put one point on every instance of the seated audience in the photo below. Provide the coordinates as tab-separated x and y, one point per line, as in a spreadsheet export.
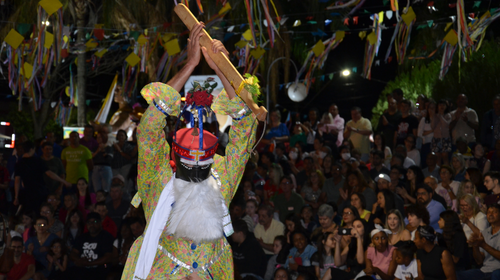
58	260
107	223
434	262
93	251
307	219
479	160
358	201
353	255
333	184
86	199
385	203
413	153
492	183
380	259
471	216
326	215
405	259
249	258
292	223
272	186
312	193
323	259
432	168
38	246
118	207
54	225
299	258
395	223
377	164
289	201
459	166
486	249
73	229
268	228
453	239
415	178
272	265
424	198
23	263
417	216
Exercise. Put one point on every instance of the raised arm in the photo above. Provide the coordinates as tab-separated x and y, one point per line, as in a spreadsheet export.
241	136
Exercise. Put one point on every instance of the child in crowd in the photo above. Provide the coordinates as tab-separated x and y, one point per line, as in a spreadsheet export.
323	259
58	260
278	244
306	220
405	259
251	218
100	196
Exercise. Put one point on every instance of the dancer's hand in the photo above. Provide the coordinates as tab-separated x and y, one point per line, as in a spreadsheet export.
217	46
194	44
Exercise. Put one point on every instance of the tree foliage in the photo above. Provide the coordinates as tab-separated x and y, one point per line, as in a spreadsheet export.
476	78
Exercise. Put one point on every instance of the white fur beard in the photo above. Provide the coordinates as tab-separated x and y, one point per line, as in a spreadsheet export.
197	212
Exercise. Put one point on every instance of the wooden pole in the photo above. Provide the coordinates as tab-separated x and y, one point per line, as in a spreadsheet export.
222	62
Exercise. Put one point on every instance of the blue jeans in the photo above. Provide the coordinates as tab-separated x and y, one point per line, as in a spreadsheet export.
101	177
475	274
495	275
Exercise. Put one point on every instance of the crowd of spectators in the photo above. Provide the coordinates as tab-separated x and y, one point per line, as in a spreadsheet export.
414	197
65	207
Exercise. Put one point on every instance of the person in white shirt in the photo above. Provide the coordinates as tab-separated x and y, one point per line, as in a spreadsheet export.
405	259
473	220
464	121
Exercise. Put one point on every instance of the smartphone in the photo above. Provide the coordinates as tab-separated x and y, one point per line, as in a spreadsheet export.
344	231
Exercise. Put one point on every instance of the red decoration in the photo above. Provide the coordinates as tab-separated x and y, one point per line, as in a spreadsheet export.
200	98
430	4
472	15
346	21
452	5
99	34
355	20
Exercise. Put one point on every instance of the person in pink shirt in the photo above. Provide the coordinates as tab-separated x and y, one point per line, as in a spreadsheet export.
381	258
86	200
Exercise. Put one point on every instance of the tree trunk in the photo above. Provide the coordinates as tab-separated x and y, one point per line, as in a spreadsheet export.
81	9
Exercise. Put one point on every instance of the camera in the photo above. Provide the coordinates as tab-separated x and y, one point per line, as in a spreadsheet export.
344	231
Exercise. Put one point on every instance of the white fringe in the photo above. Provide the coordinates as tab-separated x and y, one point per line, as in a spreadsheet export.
197	213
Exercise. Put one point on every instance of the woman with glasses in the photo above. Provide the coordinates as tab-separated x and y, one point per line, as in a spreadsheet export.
38	246
54	225
473	220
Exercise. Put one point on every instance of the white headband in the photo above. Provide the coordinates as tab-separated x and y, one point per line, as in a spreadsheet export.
379	228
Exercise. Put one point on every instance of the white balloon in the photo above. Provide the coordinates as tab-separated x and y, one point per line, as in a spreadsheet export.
297	92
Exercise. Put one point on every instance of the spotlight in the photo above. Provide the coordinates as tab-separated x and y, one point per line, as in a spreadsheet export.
346	73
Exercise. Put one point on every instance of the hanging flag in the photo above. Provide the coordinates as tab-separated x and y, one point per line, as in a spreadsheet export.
102	115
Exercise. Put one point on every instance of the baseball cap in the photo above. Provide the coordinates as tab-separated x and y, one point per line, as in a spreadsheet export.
383	176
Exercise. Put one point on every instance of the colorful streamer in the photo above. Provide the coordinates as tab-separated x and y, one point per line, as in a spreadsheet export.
449	51
371	50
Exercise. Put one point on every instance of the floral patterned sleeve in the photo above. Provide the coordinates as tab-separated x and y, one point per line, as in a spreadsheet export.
241	141
154	169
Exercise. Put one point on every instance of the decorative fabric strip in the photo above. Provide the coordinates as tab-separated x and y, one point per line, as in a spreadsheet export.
226	220
195	155
154	230
160	108
191	269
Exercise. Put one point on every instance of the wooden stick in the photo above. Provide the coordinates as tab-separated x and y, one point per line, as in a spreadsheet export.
221	61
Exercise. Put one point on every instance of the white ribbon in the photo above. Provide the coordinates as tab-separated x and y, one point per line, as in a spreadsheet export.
153	232
379	228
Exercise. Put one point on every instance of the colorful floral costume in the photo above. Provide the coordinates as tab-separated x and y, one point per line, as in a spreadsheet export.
178	258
